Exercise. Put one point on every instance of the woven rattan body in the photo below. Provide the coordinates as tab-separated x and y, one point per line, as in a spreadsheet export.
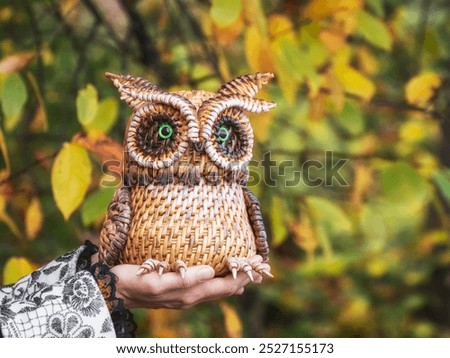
201	224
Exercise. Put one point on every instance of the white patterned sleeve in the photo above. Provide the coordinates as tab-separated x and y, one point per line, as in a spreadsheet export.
57	300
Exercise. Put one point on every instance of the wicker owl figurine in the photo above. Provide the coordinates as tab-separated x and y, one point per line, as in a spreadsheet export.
184	201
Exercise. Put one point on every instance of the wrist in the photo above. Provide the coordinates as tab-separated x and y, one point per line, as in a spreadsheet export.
107	283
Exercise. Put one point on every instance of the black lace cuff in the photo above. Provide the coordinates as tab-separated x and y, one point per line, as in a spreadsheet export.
122	318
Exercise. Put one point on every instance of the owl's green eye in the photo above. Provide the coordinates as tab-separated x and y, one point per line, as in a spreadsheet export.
223	134
165	131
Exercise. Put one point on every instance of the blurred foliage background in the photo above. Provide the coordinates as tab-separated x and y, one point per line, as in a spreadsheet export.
368	80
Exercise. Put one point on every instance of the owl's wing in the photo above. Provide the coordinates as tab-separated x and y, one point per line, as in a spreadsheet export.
116	227
256	221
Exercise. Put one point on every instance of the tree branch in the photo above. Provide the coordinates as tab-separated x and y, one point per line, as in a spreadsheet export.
197	31
22	171
99	18
150	55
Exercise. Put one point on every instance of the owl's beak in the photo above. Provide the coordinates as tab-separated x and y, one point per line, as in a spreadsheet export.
199	147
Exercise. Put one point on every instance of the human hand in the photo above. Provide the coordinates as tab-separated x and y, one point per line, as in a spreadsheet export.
170	290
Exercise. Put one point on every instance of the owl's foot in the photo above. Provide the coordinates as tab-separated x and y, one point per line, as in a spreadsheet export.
162	266
247	265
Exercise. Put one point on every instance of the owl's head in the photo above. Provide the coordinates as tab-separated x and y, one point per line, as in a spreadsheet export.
189	136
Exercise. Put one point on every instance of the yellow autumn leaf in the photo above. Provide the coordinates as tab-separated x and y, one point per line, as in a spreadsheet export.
165	323
343	56
420	89
361	184
226	36
354	82
367	62
257	50
305	237
413	131
4	172
7	220
281	25
356	311
71	175
346	19
377	267
261	125
254	15
233	324
16	268
33	218
332	39
336	96
318	9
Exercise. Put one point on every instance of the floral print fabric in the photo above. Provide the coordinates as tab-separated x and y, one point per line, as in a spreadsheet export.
57	300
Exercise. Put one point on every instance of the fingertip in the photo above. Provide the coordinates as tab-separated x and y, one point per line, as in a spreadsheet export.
205	273
257	278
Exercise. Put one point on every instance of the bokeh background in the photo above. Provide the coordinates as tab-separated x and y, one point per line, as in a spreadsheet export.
367	255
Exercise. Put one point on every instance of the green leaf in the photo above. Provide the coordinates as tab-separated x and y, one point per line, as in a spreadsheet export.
442	181
330	216
288	140
351	119
225	12
373	227
87	104
106	116
95	205
13	96
401	184
71	175
278	222
376	6
374	31
289	58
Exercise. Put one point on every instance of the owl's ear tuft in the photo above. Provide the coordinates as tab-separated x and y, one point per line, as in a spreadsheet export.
246	85
130	87
120	81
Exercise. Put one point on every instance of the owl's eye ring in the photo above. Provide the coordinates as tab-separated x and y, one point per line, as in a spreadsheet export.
165	131
223	134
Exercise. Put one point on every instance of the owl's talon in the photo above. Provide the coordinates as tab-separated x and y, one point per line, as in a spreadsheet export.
163	266
140	271
263	269
147	267
248	265
247	269
267	273
234	266
180	267
234	272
